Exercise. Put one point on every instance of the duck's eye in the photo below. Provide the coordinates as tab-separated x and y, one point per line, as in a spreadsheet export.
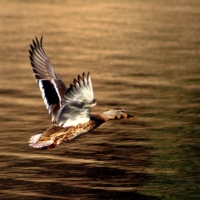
94	101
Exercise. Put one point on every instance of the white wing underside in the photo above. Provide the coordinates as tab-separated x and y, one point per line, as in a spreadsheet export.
77	103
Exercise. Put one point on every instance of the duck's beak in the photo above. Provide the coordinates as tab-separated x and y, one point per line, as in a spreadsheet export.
131	117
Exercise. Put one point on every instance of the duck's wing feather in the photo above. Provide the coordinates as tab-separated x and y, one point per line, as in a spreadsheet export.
52	87
77	102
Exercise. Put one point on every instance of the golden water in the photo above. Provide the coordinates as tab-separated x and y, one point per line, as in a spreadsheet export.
144	57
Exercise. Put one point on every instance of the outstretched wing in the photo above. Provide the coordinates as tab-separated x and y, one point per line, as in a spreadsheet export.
77	102
51	85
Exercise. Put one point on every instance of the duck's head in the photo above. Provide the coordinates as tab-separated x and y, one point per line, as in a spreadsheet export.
117	113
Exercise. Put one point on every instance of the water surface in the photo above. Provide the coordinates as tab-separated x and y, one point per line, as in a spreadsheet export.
144	57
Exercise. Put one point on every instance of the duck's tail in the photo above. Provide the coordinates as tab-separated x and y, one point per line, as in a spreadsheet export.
35	142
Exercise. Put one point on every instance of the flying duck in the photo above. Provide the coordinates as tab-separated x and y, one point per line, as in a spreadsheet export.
69	107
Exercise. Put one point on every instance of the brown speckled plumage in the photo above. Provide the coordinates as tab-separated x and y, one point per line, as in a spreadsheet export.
59	134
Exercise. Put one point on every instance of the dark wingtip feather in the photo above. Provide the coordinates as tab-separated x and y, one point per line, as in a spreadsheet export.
88	74
32	47
79	78
34	43
30	52
75	81
37	42
41	39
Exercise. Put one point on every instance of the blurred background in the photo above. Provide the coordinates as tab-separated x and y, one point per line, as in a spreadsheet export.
143	57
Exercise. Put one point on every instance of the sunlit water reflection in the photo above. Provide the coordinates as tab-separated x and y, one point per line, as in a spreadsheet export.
143	57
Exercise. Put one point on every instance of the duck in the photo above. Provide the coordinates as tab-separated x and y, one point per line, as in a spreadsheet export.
69	107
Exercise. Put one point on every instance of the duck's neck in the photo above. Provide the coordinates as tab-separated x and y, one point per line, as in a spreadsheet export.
98	117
